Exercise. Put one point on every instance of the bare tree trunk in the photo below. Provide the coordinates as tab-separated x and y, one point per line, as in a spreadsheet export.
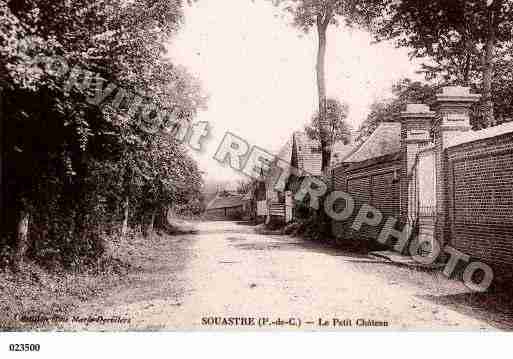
151	225
488	71
1	159
324	127
124	227
21	239
322	27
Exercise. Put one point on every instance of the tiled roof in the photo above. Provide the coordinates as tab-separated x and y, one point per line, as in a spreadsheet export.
340	152
225	202
385	140
311	162
309	156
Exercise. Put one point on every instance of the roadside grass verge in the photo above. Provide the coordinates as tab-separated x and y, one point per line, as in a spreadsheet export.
35	298
32	297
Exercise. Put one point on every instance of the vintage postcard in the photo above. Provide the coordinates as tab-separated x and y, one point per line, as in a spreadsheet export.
255	165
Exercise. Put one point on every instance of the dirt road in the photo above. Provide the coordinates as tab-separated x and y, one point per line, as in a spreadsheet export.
227	271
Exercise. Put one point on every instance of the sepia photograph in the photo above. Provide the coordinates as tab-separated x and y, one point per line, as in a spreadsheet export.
262	166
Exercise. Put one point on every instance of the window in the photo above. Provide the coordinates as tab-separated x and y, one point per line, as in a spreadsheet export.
316	150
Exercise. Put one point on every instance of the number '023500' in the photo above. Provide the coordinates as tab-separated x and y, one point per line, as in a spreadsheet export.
24	347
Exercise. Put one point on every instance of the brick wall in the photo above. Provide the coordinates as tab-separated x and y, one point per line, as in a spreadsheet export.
480	198
339	177
374	182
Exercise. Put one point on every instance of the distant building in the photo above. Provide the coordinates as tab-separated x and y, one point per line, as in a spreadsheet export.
228	208
301	157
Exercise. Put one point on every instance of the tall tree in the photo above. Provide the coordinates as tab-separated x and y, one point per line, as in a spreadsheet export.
404	92
64	157
1	161
502	85
460	38
319	15
336	114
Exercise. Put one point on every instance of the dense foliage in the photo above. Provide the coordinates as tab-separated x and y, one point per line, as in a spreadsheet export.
76	169
407	91
336	115
389	110
464	42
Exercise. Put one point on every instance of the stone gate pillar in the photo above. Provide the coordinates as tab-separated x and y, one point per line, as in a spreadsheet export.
416	123
453	119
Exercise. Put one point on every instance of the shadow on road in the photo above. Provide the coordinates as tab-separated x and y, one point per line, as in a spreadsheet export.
287	243
495	308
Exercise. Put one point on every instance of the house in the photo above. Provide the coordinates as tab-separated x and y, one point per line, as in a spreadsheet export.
340	152
256	198
226	208
300	157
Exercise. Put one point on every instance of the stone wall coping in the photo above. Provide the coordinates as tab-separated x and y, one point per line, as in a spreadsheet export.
457	94
417	115
456	90
471	136
417	110
463	99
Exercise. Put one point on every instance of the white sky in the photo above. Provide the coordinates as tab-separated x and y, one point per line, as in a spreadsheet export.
260	73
